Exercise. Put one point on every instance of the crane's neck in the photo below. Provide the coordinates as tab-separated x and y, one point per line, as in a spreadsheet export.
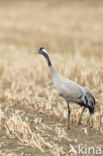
52	69
48	59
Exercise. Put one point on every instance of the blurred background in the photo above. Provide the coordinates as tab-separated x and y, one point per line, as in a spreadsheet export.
58	25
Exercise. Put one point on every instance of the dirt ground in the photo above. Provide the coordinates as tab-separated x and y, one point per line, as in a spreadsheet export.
54	131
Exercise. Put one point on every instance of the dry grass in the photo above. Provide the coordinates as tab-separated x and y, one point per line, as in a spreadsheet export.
30	109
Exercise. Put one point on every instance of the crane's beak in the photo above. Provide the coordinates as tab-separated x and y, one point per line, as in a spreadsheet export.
37	51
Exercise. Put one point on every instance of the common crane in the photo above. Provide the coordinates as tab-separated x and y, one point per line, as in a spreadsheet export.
69	90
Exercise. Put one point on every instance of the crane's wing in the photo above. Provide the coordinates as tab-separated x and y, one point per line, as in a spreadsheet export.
89	94
70	90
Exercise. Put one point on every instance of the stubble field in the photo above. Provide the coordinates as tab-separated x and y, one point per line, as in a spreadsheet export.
33	118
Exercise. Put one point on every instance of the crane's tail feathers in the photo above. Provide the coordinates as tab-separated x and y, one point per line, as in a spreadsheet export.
90	100
91	110
91	104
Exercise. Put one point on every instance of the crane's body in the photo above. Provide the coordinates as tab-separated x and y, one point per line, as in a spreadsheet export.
72	92
69	90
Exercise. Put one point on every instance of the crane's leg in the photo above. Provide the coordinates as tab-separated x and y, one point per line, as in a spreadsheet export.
68	116
81	116
88	121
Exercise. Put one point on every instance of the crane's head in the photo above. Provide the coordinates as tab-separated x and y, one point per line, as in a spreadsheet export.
42	51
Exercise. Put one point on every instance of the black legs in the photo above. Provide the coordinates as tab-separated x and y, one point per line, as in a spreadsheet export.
81	116
68	116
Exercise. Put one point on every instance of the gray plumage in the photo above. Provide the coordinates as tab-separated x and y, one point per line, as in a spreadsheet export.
69	90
